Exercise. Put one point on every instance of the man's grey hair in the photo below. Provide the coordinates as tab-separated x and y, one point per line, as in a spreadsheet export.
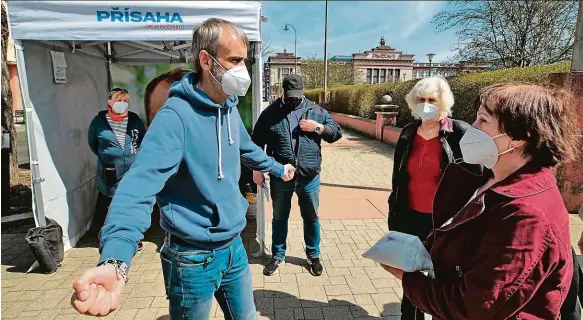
206	37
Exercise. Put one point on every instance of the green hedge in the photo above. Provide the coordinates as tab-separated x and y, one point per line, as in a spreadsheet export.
359	100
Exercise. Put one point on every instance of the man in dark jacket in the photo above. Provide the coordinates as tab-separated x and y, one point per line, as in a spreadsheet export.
292	128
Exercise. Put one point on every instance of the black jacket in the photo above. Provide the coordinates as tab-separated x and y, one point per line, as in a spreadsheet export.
272	129
450	134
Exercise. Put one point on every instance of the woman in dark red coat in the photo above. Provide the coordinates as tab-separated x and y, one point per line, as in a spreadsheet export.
501	244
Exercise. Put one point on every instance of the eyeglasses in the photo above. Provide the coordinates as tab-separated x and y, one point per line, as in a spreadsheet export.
116	90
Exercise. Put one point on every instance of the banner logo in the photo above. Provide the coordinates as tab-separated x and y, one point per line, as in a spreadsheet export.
125	15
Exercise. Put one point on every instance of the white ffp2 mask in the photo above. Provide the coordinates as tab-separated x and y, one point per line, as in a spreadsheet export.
120	107
479	148
427	111
235	81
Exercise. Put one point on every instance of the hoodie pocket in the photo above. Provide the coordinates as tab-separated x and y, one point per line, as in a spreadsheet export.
228	217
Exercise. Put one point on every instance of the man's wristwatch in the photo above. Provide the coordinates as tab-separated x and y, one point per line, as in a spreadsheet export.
120	266
319	128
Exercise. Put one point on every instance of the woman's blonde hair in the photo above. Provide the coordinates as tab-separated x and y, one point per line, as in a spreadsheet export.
432	87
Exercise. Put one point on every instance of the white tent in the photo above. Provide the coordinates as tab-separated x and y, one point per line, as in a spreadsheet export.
92	35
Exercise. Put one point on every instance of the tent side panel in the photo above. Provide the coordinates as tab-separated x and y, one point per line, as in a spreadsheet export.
62	114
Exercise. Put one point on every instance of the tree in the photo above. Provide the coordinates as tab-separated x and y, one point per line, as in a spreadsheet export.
339	73
516	33
266	50
7	115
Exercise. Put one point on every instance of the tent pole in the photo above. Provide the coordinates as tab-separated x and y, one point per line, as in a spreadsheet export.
257	86
36	179
108	59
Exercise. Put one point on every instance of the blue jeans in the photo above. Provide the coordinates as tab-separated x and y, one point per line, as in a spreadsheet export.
192	277
308	191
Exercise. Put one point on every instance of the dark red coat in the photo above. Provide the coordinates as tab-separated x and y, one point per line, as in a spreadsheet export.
507	254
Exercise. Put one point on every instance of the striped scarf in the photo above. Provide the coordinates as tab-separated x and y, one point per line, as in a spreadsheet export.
119	128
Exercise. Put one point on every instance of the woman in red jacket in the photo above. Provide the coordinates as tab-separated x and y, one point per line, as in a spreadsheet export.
424	149
501	244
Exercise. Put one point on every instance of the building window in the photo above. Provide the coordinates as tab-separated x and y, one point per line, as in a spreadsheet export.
368	75
375	76
285	72
397	74
383	75
390	75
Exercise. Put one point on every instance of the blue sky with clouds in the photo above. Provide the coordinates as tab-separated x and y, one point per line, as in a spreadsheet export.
355	26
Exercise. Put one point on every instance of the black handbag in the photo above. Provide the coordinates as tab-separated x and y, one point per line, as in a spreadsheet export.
47	245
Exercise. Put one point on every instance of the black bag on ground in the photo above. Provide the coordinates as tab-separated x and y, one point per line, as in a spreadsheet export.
47	245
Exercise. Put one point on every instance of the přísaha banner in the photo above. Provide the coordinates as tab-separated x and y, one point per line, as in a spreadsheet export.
125	20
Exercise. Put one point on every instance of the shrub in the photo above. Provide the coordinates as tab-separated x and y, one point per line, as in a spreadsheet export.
359	100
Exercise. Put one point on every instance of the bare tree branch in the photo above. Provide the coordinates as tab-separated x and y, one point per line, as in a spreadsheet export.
339	73
266	50
516	33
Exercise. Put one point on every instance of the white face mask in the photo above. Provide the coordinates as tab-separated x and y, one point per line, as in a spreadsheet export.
427	111
234	82
479	148
120	107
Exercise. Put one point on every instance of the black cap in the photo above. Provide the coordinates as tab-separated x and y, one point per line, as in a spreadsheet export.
293	86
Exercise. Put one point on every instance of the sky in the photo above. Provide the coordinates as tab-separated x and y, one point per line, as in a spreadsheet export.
357	26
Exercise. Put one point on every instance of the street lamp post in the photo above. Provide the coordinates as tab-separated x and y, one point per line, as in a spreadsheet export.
430	57
295	46
326	53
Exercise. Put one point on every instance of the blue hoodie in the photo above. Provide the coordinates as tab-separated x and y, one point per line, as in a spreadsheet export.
189	161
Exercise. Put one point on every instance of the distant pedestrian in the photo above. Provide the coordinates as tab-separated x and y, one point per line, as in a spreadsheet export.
293	128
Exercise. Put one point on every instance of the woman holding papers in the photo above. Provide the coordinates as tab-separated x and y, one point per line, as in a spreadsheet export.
423	150
501	244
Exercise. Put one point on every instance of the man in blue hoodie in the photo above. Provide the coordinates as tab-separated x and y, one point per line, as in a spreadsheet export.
189	163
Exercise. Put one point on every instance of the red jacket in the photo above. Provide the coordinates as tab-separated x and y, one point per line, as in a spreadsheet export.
507	254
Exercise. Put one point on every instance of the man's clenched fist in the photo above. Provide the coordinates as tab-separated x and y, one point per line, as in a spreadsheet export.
98	291
289	172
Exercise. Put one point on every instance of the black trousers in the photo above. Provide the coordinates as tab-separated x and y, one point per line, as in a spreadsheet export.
101	208
571	308
418	224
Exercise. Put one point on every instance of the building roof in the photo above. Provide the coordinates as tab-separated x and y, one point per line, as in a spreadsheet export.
384	52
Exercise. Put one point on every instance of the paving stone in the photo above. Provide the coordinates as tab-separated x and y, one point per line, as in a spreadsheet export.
337	313
159	302
313	296
146	314
126	314
336	290
137	303
313	313
284	314
289	302
338	271
337	280
341	300
265	305
367	310
306	278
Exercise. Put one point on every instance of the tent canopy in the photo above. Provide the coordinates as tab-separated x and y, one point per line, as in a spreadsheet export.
135	31
125	20
92	35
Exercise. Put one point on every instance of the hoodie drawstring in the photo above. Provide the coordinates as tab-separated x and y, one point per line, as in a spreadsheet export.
219	129
229	127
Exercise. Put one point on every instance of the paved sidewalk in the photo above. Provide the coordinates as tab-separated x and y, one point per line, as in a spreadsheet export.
356	182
